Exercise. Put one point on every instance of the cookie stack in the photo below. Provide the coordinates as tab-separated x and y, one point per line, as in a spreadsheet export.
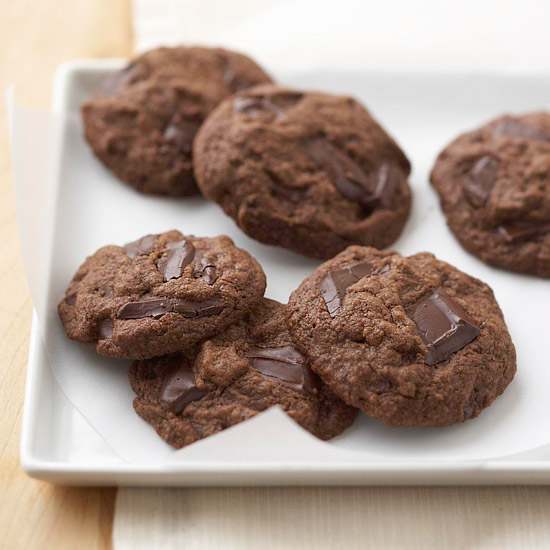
411	341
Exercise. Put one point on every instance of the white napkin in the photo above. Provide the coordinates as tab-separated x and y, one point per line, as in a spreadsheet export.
303	36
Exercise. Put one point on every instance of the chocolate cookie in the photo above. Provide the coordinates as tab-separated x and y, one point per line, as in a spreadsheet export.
160	294
142	120
232	377
494	186
411	341
307	171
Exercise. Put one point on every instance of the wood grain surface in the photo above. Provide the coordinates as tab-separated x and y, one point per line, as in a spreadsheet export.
35	37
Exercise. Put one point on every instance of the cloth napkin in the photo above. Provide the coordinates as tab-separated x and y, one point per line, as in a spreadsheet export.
354	35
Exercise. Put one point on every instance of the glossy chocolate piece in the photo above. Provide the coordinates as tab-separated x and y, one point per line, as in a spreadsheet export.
443	325
234	81
350	179
286	365
511	233
179	387
387	183
335	283
478	182
514	129
70	300
105	329
267	106
141	247
181	134
156	307
172	263
205	269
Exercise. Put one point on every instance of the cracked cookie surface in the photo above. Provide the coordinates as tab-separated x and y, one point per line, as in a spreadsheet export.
494	188
412	340
307	171
232	377
142	120
160	294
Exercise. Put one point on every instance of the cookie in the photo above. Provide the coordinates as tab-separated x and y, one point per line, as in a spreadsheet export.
306	171
494	187
160	294
412	341
142	120
232	377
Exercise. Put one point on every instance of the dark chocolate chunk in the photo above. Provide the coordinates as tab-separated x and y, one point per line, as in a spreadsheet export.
287	366
335	283
514	129
181	134
266	106
105	329
344	173
443	325
280	190
153	306
234	81
205	269
142	246
521	233
478	182
172	263
179	387
112	83
387	182
351	180
70	300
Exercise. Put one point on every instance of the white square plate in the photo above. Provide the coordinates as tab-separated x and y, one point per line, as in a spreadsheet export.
423	112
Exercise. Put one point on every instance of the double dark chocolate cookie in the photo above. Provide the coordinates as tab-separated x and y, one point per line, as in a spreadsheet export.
142	120
306	171
411	341
160	294
232	377
494	186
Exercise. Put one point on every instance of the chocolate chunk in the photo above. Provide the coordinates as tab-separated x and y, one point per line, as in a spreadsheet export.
181	134
172	263
141	247
387	182
112	83
179	386
153	306
205	269
520	233
234	81
478	182
344	173
335	283
443	325
270	107
105	329
70	300
514	129
287	366
351	180
279	189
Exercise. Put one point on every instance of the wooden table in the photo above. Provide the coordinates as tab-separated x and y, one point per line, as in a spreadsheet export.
35	36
